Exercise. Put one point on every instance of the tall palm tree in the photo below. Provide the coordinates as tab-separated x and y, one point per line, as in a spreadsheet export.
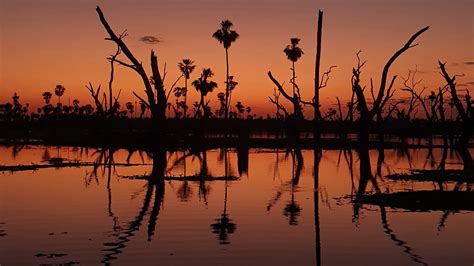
186	66
59	91
293	52
226	37
204	86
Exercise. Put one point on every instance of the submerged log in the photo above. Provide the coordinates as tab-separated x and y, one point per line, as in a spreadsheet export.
184	178
434	175
422	200
34	167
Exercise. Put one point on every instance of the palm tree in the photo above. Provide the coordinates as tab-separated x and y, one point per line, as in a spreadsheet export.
226	37
204	86
186	67
232	84
59	91
47	96
293	52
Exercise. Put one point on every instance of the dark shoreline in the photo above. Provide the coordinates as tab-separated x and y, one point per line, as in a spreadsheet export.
209	133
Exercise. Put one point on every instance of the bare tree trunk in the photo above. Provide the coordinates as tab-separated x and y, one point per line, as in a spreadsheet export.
157	105
384	94
316	103
293	78
227	84
297	111
185	97
466	119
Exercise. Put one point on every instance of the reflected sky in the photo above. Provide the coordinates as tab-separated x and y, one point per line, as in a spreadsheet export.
124	219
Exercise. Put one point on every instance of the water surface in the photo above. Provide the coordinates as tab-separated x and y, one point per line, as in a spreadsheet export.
270	215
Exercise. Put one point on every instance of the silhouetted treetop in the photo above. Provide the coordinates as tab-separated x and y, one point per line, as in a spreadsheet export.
186	67
225	35
293	51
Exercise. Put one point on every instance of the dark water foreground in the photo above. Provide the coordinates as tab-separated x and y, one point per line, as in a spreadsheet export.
235	206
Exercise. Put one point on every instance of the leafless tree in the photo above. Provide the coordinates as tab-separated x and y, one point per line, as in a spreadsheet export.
154	87
385	91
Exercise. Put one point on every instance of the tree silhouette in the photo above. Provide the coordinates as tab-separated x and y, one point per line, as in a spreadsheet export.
232	84
130	108
59	91
204	86
385	91
186	66
155	102
226	37
47	97
293	52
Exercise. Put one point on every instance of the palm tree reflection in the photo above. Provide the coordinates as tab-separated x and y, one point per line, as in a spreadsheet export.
292	209
223	225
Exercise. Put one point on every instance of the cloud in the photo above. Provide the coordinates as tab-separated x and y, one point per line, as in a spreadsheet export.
148	39
463	64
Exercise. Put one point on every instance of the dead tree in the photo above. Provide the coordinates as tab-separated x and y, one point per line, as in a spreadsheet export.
112	59
465	114
95	95
154	87
409	85
316	102
276	101
295	100
385	92
436	99
320	81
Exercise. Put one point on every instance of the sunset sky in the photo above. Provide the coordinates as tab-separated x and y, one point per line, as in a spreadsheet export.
49	42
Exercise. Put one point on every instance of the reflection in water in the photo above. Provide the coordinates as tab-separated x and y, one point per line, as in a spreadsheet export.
407	249
155	183
292	209
370	185
364	179
3	232
224	225
317	154
449	202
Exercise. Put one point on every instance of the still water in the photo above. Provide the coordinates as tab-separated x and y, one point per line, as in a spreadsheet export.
224	207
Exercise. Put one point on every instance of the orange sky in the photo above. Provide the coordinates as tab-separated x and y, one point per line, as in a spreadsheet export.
49	42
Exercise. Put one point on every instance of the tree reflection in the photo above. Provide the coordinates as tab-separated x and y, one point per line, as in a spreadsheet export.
367	177
317	230
292	209
224	226
156	184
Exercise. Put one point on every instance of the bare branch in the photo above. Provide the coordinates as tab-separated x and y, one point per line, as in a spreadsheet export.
383	81
325	77
172	87
141	99
279	87
452	85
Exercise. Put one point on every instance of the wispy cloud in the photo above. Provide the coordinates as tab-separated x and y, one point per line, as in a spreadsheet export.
465	63
148	39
